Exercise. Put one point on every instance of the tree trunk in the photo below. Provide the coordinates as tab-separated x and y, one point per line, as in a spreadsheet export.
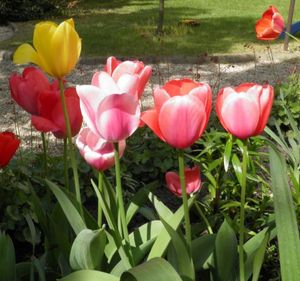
160	21
289	23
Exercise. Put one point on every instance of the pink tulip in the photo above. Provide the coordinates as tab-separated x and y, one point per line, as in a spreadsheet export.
110	106
51	116
127	71
192	181
26	88
181	113
96	151
244	111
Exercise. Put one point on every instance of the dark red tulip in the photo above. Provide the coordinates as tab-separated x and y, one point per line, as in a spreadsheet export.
8	147
51	116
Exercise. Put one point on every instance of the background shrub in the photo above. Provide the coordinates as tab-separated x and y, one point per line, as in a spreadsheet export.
22	10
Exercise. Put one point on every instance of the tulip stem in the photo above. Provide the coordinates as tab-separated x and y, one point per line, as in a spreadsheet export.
66	166
208	226
119	193
184	198
100	188
45	154
242	215
71	147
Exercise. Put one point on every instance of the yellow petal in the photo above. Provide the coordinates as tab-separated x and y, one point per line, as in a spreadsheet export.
25	54
71	22
67	47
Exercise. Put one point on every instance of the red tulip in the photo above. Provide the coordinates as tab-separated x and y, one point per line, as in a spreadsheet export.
270	26
51	117
26	88
244	111
192	181
124	72
8	147
96	151
181	113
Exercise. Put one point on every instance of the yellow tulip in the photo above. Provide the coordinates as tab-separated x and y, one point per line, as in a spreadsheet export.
56	48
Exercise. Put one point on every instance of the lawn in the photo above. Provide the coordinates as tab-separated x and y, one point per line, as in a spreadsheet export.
127	27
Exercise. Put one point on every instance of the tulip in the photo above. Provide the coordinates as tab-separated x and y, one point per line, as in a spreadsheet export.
125	73
181	113
26	88
8	147
192	181
96	151
51	117
56	48
110	109
270	26
244	111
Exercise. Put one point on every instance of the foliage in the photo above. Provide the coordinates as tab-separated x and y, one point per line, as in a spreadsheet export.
21	10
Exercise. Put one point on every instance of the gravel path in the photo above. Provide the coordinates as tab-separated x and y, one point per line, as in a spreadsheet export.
218	72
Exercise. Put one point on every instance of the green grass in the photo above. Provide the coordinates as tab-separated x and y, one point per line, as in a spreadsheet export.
127	27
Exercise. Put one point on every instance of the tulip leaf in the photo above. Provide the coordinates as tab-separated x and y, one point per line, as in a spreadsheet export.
227	153
69	209
162	242
88	249
237	166
183	258
259	257
160	207
138	200
156	269
202	248
7	260
285	217
89	275
225	253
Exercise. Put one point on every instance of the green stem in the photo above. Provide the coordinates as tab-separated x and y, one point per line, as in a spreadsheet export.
45	154
184	197
242	215
100	187
66	166
292	36
71	148
119	193
208	226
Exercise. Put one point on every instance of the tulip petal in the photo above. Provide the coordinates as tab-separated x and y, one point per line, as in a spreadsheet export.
118	117
129	84
90	98
107	84
126	67
111	65
182	120
240	115
8	147
179	87
25	54
43	124
160	97
144	78
150	118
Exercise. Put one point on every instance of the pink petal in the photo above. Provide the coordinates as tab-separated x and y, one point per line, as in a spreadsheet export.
95	79
144	78
179	87
118	116
128	84
126	67
240	114
111	65
182	120
107	84
90	98
160	97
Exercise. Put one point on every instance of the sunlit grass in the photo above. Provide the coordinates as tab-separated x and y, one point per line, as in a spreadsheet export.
127	27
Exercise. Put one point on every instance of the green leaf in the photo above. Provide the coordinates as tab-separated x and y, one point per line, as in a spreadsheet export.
90	275
7	260
88	249
285	217
225	254
162	242
138	200
156	269
69	209
227	153
184	259
237	166
202	248
259	258
160	207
